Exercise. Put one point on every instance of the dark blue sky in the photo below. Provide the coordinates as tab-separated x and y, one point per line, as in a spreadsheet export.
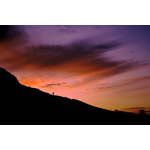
134	40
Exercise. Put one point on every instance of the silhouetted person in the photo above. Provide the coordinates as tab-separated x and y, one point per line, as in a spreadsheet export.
41	106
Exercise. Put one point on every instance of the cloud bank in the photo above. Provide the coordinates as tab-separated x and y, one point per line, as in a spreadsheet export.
79	59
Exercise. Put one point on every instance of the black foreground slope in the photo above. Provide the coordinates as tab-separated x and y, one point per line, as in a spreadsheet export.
22	105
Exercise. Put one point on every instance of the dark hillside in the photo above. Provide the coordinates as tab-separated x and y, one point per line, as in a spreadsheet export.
25	105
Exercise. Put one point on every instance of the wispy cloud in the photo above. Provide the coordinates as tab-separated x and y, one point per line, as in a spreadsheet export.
68	31
80	80
79	59
51	86
124	85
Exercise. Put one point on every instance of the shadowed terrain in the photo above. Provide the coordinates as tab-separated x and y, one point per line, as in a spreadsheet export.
23	105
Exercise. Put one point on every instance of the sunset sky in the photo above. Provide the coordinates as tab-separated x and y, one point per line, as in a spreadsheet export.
105	66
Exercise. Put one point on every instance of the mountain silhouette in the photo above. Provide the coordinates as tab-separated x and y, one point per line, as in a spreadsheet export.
7	79
22	105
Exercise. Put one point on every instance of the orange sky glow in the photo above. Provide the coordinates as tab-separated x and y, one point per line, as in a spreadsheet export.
104	73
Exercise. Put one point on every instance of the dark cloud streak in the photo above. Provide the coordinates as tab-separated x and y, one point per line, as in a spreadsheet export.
52	85
77	59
